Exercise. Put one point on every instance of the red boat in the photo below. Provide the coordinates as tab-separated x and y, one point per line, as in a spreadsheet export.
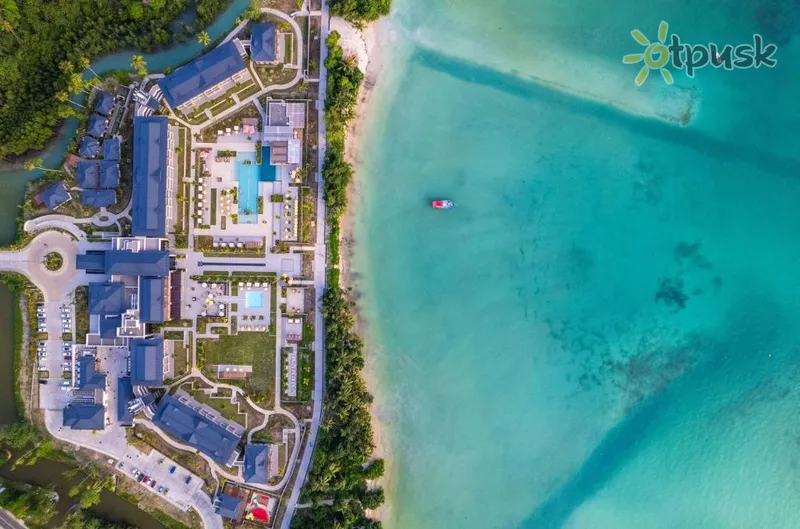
442	204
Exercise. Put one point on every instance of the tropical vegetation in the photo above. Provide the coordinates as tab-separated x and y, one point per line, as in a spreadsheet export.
360	11
46	45
337	483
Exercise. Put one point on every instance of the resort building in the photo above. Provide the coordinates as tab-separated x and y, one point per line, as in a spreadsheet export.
89	147
105	102
139	291
53	196
111	149
205	78
97	126
230	507
264	44
84	416
87	377
147	362
153	176
97	174
283	132
256	463
98	198
199	426
124	396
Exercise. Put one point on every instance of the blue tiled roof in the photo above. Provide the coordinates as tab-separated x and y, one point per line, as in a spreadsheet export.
97	126
97	174
107	298
88	377
109	326
147	361
151	300
124	395
89	147
194	429
228	506
98	198
53	196
255	463
92	262
104	103
149	263
111	148
262	42
84	416
149	209
201	74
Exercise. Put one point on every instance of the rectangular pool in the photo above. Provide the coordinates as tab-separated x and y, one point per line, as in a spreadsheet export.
254	299
247	176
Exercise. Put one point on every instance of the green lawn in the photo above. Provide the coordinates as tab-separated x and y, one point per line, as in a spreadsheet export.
221	403
81	313
248	348
179	354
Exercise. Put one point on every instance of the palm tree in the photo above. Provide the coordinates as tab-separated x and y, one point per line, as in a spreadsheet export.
36	163
84	64
138	64
6	26
64	98
203	38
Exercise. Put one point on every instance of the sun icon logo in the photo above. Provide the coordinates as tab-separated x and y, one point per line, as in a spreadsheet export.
655	56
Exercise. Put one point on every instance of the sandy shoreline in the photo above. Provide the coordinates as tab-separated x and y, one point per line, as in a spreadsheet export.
370	46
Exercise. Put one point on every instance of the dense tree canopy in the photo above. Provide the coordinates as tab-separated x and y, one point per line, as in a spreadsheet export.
46	44
360	11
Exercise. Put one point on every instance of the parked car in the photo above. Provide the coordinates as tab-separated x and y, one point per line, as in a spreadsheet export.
120	464
152	483
63	388
188	479
172	469
42	368
135	471
160	489
65	382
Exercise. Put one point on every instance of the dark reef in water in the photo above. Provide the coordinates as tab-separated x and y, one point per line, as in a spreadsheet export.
671	293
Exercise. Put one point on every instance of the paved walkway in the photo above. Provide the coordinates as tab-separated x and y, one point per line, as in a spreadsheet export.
29	262
320	276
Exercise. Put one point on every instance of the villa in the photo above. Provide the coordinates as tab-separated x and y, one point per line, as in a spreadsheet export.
97	126
111	148
263	44
98	198
153	176
105	103
53	196
97	174
256	463
89	147
205	78
199	427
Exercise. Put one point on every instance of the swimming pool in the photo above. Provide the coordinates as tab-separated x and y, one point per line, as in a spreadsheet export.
254	300
247	175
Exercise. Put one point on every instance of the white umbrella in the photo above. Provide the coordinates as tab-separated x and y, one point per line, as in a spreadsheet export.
204	285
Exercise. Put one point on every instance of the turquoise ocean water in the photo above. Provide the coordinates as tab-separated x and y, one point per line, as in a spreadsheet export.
603	334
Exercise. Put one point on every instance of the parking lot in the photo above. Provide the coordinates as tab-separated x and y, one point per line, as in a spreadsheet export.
55	355
157	467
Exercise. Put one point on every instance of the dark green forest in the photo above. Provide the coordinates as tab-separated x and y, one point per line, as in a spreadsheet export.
45	45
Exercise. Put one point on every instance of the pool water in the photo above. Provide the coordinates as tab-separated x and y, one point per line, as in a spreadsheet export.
254	300
247	176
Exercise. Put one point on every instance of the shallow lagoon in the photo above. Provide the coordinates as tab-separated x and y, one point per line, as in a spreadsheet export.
601	334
